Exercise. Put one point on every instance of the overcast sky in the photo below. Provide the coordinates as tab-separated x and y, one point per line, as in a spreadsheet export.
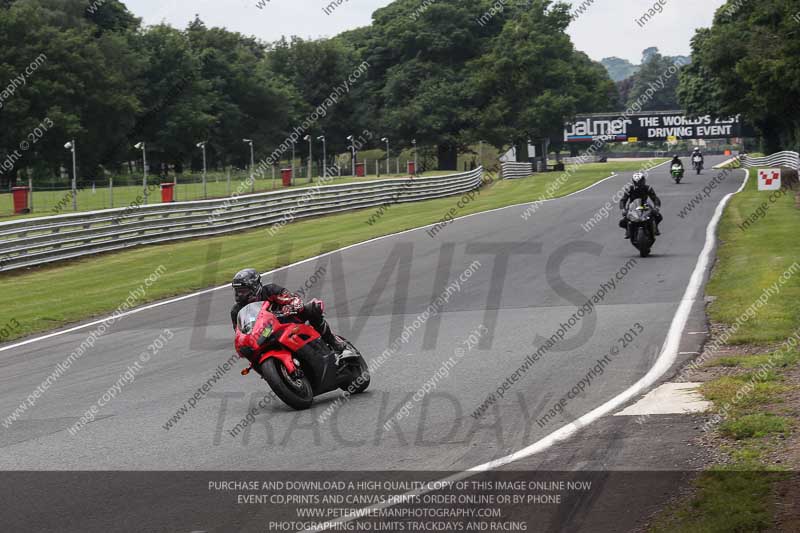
607	28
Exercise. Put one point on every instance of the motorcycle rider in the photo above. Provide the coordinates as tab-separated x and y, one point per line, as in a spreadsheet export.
696	153
640	190
247	289
676	161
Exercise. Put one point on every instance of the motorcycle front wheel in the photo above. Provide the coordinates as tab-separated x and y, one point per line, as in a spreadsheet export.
639	240
295	391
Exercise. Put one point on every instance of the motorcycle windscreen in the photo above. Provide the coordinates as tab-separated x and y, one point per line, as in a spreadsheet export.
635	213
247	317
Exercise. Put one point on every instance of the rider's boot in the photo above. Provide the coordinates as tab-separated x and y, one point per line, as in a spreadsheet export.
336	344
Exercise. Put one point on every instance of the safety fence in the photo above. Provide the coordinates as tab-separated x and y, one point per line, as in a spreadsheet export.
56	197
583	159
35	241
512	170
781	159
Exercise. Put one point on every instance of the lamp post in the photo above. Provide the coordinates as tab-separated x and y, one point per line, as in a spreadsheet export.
141	146
252	164
292	165
324	157
480	152
310	156
71	146
353	150
386	140
202	146
416	169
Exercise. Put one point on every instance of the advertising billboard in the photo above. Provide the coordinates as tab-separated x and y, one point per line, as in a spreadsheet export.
654	126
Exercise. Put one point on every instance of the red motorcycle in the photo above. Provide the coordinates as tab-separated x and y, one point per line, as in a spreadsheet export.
293	359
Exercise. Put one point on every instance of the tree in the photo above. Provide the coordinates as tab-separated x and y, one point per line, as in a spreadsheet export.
418	85
746	63
657	76
247	98
82	83
176	110
315	69
532	79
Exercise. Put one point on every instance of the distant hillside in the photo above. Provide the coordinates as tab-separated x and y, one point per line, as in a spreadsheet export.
619	69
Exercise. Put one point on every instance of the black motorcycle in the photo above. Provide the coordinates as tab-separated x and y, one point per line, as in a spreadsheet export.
642	226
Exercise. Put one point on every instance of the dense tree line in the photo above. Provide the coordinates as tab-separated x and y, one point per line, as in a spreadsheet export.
747	63
447	74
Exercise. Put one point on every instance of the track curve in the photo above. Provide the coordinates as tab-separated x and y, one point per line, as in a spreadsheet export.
533	276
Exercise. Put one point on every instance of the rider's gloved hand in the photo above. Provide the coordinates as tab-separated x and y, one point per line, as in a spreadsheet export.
290	304
288	310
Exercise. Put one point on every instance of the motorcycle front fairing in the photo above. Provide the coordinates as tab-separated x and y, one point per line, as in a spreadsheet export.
639	212
254	327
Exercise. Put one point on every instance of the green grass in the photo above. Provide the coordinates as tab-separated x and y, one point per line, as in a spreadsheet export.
725	501
756	361
191	189
754	426
61	294
724	391
739	496
753	259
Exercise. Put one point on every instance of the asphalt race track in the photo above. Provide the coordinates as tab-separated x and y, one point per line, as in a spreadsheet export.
526	279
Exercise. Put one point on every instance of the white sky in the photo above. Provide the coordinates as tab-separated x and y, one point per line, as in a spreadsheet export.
607	28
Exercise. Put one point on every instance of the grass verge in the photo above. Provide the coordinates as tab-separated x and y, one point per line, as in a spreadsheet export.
755	405
45	298
750	260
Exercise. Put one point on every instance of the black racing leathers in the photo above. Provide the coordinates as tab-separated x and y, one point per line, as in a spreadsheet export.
642	193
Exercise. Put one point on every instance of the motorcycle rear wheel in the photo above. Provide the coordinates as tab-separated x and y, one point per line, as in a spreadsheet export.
295	392
359	369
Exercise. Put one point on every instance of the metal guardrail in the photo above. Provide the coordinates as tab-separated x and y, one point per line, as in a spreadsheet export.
581	159
785	159
35	241
512	170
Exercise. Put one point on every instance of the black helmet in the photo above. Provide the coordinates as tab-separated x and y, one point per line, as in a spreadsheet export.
639	179
246	286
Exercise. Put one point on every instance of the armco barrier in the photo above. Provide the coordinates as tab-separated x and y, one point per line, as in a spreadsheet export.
513	170
37	241
582	159
782	159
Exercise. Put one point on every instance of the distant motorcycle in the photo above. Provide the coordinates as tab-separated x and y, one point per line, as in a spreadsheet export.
642	225
293	359
697	162
677	173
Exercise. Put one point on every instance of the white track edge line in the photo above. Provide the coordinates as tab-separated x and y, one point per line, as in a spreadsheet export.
665	360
